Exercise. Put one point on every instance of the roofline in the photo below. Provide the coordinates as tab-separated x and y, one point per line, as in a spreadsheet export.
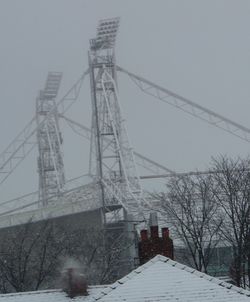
46	291
173	263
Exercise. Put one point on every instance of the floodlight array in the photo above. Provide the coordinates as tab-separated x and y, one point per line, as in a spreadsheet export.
52	84
106	34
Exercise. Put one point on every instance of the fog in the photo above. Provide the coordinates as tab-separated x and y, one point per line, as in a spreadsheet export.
199	49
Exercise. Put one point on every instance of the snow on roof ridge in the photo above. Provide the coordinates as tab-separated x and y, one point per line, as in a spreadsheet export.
173	263
45	291
35	292
201	274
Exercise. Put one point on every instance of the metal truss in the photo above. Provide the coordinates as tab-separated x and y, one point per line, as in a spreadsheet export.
112	160
79	199
17	150
76	189
49	138
159	170
141	160
25	141
188	106
180	174
150	164
111	157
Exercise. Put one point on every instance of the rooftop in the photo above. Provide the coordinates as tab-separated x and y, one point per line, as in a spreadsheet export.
49	295
162	279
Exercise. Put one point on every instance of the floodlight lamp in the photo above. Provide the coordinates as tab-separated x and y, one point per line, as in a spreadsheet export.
52	84
106	34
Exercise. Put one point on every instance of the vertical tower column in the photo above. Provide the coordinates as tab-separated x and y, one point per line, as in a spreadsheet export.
111	160
50	160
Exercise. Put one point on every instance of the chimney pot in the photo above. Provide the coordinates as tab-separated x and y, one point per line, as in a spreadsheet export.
144	235
153	219
154	230
165	233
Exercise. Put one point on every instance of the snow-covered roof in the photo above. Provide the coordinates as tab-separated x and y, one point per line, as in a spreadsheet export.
163	279
160	279
49	295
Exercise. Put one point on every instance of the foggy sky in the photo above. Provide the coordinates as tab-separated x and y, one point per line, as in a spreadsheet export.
196	48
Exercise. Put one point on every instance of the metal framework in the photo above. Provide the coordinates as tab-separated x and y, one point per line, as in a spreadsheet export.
49	138
188	106
141	160
25	141
112	161
111	157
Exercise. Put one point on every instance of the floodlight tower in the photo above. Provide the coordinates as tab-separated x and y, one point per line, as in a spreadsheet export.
50	161
111	157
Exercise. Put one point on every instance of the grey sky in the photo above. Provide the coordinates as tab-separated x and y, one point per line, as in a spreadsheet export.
199	49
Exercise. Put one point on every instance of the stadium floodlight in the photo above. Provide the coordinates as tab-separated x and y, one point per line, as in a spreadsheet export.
106	34
52	85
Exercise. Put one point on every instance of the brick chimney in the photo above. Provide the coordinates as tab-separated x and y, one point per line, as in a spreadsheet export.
144	235
154	245
154	231
165	233
168	249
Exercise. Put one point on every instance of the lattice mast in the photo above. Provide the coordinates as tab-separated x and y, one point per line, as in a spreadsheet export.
50	160
111	157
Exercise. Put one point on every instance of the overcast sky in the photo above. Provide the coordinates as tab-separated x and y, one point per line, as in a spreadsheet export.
199	49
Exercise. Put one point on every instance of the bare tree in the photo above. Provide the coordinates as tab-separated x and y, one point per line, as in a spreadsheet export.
28	256
189	206
232	194
31	255
104	255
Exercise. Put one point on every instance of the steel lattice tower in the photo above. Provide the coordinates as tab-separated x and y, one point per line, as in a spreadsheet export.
111	157
50	161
